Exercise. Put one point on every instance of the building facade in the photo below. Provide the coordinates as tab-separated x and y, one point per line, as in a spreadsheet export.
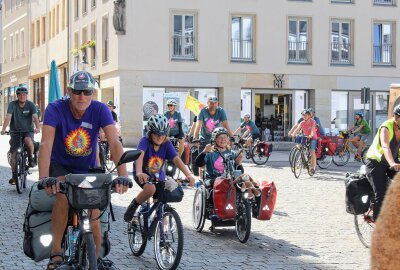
271	59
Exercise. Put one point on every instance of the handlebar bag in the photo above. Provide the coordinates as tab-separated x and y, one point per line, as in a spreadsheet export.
358	194
265	205
224	197
88	191
172	196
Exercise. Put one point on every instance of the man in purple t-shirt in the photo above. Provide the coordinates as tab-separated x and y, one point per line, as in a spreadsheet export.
69	142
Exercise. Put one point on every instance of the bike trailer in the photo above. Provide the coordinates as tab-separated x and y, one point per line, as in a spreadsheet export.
224	198
265	204
358	193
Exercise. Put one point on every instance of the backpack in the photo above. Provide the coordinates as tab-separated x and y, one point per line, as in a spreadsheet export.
359	193
224	198
37	243
265	204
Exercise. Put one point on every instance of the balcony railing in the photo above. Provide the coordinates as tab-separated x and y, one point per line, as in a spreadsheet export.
242	49
383	54
183	47
340	53
299	52
384	2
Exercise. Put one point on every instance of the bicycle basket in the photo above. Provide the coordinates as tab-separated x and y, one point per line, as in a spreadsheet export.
88	191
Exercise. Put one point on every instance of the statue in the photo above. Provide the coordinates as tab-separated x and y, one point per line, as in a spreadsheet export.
119	17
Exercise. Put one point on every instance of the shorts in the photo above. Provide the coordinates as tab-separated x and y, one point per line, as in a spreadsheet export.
159	188
313	144
14	141
57	170
363	137
255	136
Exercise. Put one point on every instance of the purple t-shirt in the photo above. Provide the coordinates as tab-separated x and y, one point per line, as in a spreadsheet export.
153	162
75	140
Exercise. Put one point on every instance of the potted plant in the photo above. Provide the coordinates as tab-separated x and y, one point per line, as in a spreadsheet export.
91	43
75	52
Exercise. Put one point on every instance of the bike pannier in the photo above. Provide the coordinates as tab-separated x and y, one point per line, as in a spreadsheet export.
265	205
186	154
224	198
358	194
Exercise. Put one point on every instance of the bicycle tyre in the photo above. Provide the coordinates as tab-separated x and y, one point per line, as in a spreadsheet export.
109	164
297	164
257	157
325	161
137	237
243	220
364	155
87	251
102	156
160	245
292	154
199	209
341	159
20	171
364	228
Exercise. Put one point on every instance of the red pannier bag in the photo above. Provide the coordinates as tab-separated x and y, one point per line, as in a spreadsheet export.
266	202
264	147
186	154
224	197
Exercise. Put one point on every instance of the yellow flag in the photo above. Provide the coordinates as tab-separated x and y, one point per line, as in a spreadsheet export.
194	105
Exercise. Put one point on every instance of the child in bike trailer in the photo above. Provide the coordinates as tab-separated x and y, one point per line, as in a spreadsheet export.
308	126
156	149
215	163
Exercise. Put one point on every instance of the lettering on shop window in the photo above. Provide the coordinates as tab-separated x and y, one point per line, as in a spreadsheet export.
278	82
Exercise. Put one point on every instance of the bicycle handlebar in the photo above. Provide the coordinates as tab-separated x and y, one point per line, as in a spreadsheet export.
63	185
8	132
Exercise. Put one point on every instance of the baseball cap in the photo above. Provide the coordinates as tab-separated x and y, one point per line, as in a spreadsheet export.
82	80
213	99
111	104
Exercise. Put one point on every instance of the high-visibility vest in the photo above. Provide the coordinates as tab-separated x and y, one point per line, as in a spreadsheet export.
375	151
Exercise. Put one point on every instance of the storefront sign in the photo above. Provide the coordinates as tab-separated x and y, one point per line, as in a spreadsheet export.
278	82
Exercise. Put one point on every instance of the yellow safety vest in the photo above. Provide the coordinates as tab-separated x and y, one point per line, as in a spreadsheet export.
375	151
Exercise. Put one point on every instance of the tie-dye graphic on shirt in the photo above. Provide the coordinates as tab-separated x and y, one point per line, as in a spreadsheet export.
211	124
154	165
77	143
172	122
219	165
248	128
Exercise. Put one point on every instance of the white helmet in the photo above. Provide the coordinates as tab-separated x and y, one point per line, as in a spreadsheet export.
171	102
157	124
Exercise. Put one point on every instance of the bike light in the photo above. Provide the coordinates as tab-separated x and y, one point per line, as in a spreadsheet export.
246	195
86	225
46	239
19	150
364	199
169	168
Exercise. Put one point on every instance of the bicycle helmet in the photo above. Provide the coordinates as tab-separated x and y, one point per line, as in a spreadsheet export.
311	110
306	111
82	80
360	114
21	90
171	102
216	132
396	110
246	115
157	124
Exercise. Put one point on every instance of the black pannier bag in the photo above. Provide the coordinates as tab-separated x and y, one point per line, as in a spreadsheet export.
359	193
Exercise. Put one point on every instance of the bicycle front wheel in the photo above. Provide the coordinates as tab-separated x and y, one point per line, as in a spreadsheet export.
137	237
325	161
365	226
291	157
168	240
20	169
87	252
243	220
297	164
364	155
341	158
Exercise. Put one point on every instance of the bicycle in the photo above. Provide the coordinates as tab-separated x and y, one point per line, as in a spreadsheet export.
84	193
342	155
302	157
165	226
258	151
105	157
239	211
21	161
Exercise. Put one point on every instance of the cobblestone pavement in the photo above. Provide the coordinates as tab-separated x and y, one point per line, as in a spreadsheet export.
309	230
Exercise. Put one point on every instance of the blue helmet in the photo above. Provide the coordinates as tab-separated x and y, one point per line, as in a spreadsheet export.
360	114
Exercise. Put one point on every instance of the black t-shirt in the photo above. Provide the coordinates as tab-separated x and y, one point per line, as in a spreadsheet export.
114	116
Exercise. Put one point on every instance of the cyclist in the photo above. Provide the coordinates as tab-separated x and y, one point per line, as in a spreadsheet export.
383	157
69	142
250	128
112	107
156	149
20	115
362	128
319	126
308	126
175	124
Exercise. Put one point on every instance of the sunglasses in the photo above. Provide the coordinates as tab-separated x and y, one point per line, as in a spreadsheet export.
170	105
85	92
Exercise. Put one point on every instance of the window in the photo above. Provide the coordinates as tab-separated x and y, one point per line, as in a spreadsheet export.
58	19
63	15
385	2
37	33
93	48
84	49
17	49
298	41
383	43
43	30
11	47
50	24
342	1
76	40
341	47
76	9
4	50
22	42
33	35
183	37
242	38
53	22
84	6
104	27
93	3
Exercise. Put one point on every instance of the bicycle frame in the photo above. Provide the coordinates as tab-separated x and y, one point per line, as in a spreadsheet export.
149	229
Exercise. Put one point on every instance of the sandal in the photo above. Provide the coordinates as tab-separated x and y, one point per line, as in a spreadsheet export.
54	264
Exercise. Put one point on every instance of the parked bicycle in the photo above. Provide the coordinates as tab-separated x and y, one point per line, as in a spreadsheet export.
258	151
161	221
21	161
342	155
85	192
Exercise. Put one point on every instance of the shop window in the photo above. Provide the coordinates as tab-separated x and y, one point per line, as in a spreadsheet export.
339	110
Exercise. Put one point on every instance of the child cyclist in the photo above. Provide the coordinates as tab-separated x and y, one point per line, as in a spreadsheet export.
212	157
156	149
